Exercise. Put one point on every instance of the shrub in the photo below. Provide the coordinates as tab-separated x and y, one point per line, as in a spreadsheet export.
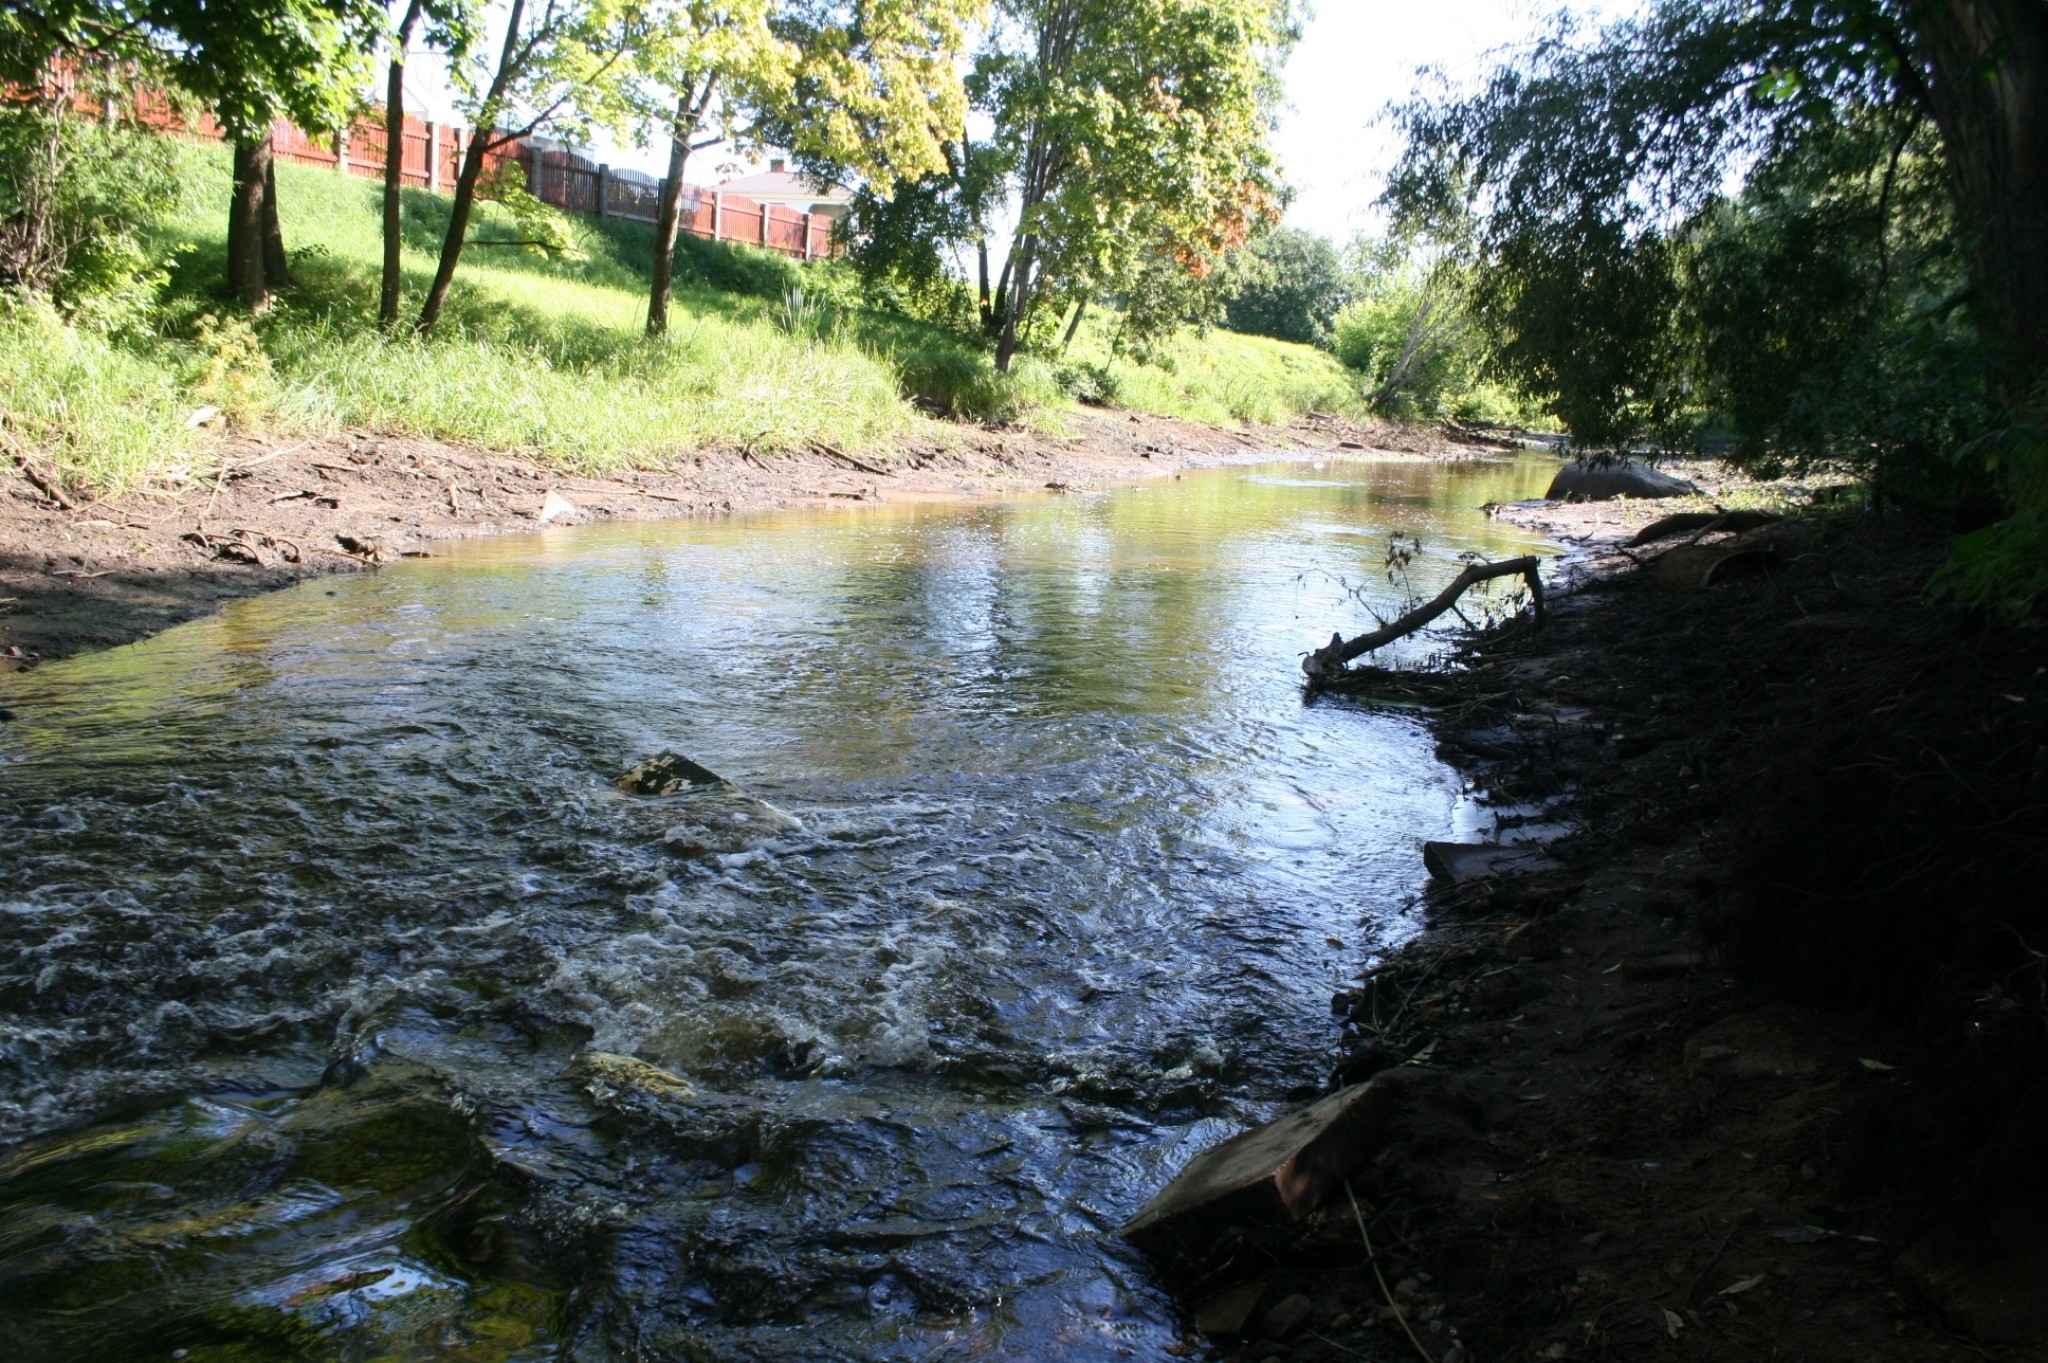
76	200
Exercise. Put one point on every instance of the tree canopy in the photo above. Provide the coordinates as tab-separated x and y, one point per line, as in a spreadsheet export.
1127	151
1290	285
1818	225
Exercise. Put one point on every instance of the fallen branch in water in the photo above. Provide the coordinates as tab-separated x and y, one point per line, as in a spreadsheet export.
1328	661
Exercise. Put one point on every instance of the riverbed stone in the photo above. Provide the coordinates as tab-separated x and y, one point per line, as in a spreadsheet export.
1458	862
630	1073
1584	481
1230	1312
726	821
1272	1174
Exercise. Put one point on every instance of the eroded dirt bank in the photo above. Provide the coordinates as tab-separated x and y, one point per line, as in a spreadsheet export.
94	574
1753	1062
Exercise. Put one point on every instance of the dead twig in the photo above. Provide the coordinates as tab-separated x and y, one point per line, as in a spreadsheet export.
49	487
1385	1291
274	454
848	459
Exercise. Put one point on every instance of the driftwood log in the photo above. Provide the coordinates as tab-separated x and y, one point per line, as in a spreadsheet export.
1328	661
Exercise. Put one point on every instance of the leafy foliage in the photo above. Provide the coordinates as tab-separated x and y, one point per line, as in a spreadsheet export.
1128	146
76	200
1622	283
1291	285
1409	333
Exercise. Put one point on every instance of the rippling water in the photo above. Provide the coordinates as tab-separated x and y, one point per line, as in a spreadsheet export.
347	1010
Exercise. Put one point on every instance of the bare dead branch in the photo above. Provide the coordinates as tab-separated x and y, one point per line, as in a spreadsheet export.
1329	661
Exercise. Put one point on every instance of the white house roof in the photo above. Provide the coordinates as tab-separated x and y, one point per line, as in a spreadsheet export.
778	183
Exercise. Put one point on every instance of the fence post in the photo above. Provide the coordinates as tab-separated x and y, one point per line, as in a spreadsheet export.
604	175
718	215
767	216
433	155
341	150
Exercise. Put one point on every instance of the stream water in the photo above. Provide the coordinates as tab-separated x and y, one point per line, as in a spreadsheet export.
348	1010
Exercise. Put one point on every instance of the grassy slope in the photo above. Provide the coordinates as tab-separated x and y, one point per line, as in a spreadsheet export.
544	356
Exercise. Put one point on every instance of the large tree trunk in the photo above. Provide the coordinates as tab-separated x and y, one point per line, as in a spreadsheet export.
1989	96
472	169
246	276
394	164
276	271
668	217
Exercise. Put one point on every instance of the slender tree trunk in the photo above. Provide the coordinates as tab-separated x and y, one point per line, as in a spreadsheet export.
668	217
458	231
1073	326
465	181
668	225
245	225
1989	97
394	164
276	270
992	314
1020	298
987	308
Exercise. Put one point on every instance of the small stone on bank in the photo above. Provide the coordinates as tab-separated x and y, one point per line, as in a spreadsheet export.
1285	1320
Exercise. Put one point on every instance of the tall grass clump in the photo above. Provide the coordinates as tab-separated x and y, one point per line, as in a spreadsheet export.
106	416
638	401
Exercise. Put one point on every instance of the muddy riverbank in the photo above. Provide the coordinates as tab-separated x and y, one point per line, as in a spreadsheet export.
1748	1063
276	509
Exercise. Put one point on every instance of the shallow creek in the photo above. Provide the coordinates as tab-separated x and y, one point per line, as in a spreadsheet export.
347	1010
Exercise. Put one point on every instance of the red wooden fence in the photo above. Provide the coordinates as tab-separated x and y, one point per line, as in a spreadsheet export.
431	157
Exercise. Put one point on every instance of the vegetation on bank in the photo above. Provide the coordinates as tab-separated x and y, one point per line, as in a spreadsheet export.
546	354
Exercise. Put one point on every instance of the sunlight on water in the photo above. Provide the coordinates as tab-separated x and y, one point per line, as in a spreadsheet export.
350	1011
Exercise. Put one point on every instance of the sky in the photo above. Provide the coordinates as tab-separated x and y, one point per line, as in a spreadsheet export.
1335	145
1355	58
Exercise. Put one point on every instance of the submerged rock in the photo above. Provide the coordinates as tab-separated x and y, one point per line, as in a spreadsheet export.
1580	481
666	773
1230	1312
1276	1173
603	1070
1458	862
720	818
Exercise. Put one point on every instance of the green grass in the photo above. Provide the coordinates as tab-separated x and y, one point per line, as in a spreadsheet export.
108	416
547	356
1223	377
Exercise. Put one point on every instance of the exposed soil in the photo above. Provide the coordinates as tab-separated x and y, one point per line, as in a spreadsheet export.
278	509
1751	1063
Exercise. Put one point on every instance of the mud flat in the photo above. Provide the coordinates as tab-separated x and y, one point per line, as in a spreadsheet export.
1746	1062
